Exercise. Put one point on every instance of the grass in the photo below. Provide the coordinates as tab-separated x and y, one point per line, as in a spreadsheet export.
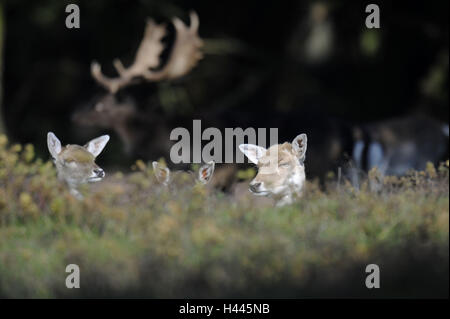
133	238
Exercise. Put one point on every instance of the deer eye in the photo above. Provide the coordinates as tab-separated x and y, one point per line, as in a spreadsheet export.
284	164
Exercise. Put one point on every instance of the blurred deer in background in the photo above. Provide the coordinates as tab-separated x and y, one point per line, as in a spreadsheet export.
398	145
76	164
136	127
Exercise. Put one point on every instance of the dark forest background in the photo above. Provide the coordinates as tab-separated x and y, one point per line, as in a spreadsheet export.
260	59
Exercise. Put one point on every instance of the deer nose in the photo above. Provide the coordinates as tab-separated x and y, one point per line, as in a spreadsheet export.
99	172
254	186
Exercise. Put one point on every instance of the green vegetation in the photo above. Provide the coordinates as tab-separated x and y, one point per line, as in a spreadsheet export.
133	238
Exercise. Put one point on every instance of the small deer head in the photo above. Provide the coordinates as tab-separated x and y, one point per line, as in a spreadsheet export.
281	169
76	164
205	173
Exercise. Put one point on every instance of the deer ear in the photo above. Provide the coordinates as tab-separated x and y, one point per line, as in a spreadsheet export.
97	145
206	172
162	173
54	145
253	152
299	145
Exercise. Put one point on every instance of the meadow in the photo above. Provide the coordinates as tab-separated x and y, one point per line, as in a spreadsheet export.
134	238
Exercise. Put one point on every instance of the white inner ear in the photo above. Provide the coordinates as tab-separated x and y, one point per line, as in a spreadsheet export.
299	144
253	152
155	165
162	173
96	145
206	171
54	145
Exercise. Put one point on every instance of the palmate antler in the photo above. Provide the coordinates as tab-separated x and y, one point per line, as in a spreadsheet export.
184	56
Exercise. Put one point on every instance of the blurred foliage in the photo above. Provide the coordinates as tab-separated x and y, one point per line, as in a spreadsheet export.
246	174
370	42
134	238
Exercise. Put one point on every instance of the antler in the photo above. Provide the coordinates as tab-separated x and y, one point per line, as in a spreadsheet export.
186	50
184	56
